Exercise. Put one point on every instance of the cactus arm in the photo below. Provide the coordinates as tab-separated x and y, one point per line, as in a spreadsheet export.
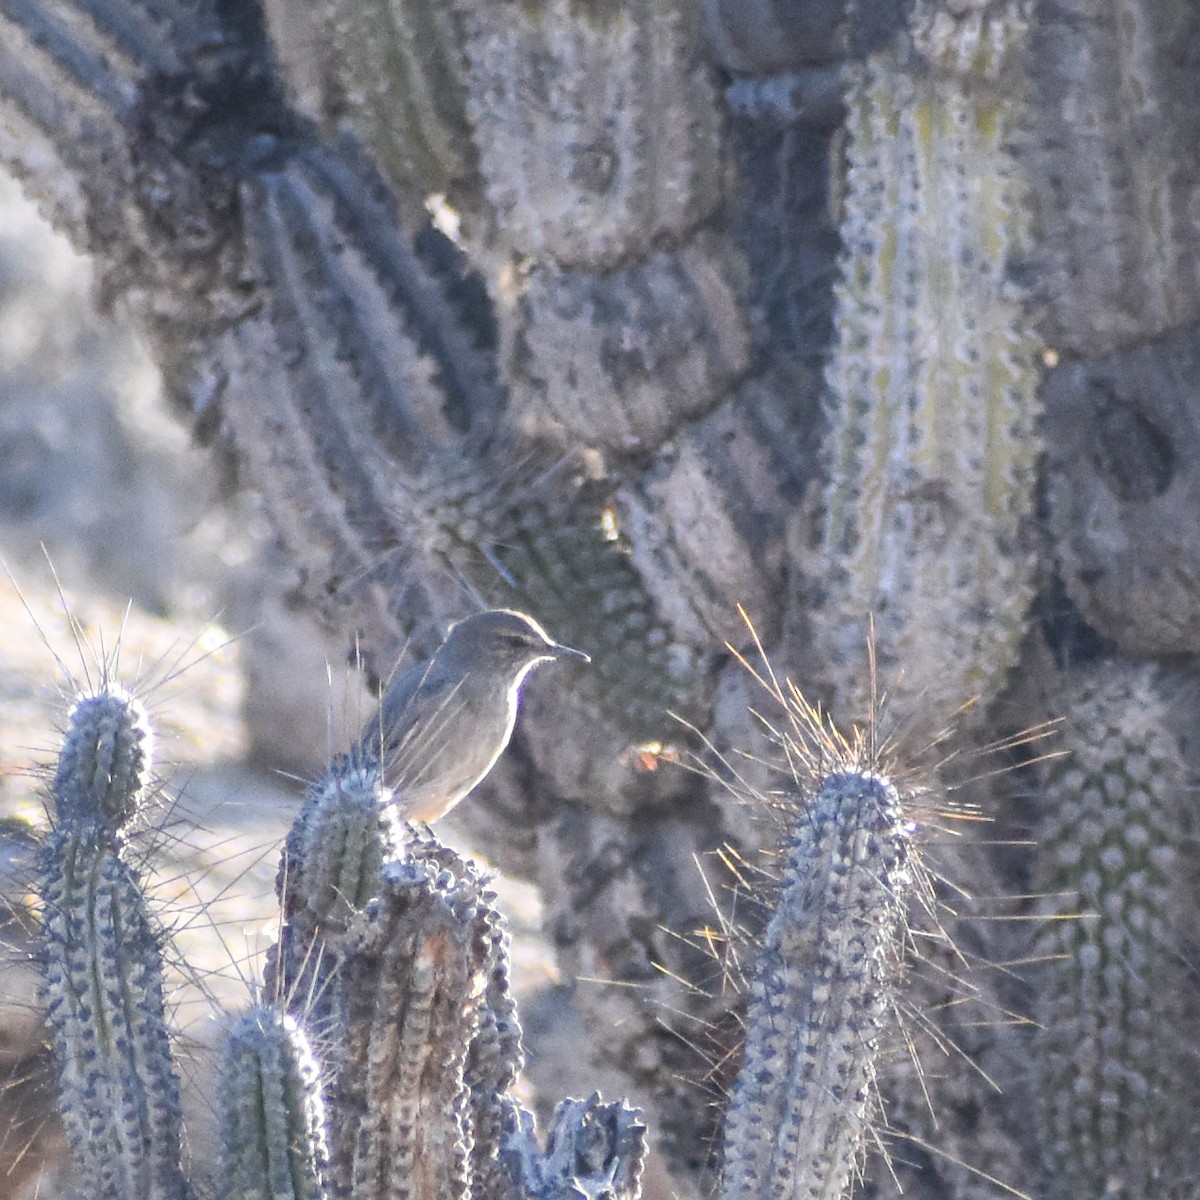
272	1130
102	967
1115	194
597	132
804	1095
400	75
414	975
1111	996
931	447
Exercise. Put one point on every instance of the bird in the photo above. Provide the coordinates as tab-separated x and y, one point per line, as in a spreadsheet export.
442	724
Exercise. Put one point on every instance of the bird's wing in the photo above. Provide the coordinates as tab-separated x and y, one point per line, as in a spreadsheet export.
409	734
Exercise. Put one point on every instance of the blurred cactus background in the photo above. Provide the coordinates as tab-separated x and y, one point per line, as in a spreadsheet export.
362	315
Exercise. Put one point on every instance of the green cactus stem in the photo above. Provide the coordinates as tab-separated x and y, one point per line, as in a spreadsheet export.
685	518
347	292
415	974
118	1092
621	359
1115	191
572	569
932	443
272	1129
336	850
101	963
820	995
331	868
70	77
1108	1065
496	1054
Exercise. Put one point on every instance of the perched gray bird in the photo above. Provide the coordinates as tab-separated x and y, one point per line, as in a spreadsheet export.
442	725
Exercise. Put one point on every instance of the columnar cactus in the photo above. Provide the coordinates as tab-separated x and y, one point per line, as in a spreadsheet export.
825	986
272	1111
624	357
597	396
800	1110
103	987
1116	192
380	1062
931	447
415	976
332	866
597	127
1113	994
398	79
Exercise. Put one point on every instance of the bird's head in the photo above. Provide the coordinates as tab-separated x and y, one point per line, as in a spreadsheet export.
502	642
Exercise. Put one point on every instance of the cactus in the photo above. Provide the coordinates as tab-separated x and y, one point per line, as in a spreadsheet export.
827	975
1112	1001
623	357
382	1061
399	76
932	446
602	402
413	981
72	87
804	1096
103	988
273	1112
1116	193
1119	433
591	1147
331	867
105	761
597	129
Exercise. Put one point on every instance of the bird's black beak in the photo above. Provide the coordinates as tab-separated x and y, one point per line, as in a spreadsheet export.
560	651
